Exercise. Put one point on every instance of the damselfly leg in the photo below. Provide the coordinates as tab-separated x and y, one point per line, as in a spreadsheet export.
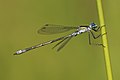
95	37
99	28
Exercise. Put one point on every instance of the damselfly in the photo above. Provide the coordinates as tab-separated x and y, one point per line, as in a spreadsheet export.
52	29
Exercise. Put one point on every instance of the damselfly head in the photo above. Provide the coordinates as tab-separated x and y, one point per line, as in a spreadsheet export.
93	25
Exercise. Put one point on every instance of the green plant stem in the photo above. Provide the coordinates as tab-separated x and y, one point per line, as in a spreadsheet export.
104	40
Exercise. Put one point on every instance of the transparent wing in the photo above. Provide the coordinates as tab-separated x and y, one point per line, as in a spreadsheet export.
53	29
60	42
64	43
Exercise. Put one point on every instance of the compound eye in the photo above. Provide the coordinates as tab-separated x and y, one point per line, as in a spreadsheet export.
93	25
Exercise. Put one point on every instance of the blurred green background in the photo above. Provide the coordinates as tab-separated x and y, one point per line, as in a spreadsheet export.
19	22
